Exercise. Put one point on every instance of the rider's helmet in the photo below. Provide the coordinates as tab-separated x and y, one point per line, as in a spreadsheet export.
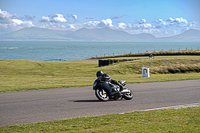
99	73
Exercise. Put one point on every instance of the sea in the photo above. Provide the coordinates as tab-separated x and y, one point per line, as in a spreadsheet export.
65	51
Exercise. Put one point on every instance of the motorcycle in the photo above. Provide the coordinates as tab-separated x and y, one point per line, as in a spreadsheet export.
105	90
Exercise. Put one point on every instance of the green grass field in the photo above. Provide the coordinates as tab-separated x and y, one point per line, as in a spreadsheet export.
184	120
16	75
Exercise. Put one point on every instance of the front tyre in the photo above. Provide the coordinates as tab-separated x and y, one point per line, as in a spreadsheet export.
128	96
101	94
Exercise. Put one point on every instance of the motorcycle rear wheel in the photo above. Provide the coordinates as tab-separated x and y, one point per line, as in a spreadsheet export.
128	96
101	94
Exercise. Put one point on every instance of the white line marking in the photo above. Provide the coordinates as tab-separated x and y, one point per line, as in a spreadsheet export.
176	107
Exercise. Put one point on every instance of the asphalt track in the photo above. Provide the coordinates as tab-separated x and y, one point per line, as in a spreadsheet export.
55	104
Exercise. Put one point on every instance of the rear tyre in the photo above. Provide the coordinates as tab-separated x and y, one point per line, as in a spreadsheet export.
128	96
101	94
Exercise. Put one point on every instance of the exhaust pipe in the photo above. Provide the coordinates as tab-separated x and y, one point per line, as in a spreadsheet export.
125	91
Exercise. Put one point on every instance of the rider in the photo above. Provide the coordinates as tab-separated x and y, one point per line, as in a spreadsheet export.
103	77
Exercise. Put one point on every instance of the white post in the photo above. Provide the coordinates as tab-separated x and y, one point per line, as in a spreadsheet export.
145	72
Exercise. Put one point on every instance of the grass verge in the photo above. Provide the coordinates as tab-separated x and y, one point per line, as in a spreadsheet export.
167	120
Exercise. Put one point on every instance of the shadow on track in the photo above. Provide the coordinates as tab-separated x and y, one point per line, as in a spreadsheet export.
98	100
87	101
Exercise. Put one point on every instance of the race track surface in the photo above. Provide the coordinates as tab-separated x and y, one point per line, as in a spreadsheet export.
55	104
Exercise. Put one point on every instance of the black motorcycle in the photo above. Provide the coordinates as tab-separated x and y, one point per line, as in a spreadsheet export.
105	90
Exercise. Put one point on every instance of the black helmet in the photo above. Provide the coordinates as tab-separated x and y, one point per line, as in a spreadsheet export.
99	73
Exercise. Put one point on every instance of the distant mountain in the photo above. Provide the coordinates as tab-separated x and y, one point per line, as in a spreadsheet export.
107	34
187	36
100	34
35	34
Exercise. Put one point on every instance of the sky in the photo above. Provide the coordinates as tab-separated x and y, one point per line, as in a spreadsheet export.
158	17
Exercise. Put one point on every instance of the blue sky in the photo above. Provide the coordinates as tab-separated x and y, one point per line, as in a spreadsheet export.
158	17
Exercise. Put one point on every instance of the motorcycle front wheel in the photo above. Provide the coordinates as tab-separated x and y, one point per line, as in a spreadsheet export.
128	96
101	94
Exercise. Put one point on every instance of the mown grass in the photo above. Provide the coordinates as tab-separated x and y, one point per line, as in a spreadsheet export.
185	120
24	75
163	64
16	75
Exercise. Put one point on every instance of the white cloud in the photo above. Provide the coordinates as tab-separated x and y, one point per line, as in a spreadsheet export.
71	26
18	24
142	25
10	22
56	18
177	21
145	26
91	24
193	24
17	21
160	23
136	28
15	24
142	21
122	25
6	15
98	24
27	24
45	19
181	20
142	28
105	23
171	20
59	22
75	17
